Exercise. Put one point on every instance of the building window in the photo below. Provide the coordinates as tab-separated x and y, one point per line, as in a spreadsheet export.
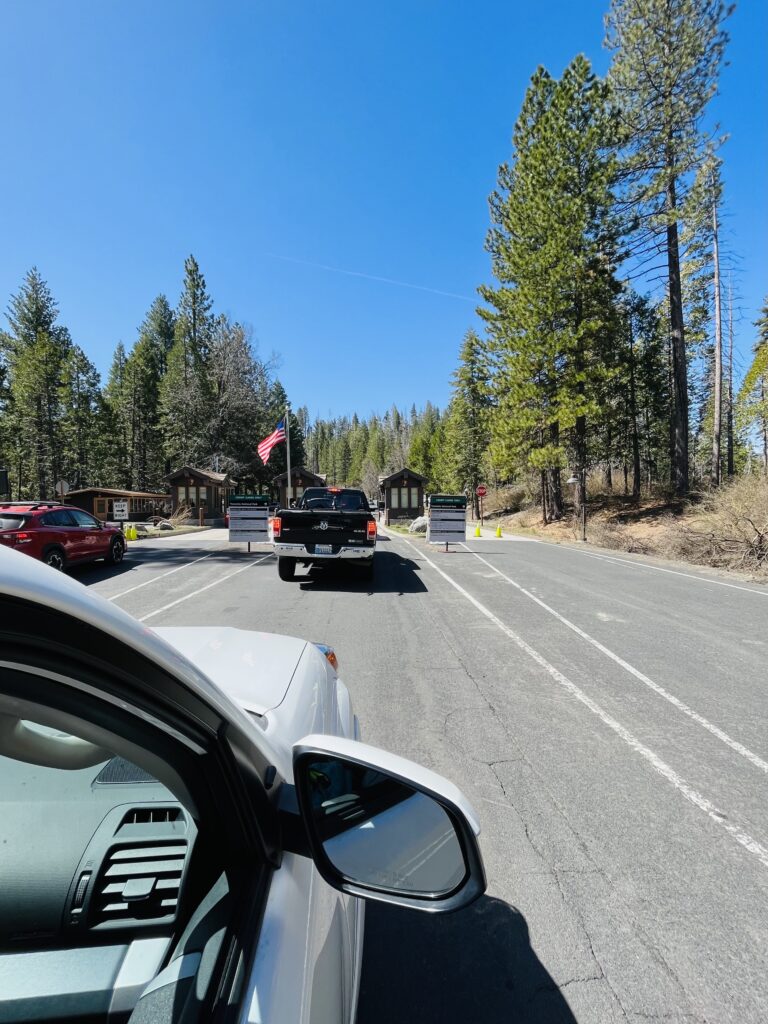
404	497
180	496
299	491
414	497
394	501
203	495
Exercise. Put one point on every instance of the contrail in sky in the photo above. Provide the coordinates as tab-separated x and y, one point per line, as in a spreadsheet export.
370	277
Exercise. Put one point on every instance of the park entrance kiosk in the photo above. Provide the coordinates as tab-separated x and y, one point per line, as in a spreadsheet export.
447	519
248	518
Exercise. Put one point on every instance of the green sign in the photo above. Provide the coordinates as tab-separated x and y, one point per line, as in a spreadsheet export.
447	500
249	499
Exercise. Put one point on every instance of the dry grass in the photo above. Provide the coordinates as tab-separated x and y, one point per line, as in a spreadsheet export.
727	528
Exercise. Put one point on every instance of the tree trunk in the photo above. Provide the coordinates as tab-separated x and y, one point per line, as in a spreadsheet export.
679	362
544	518
729	421
765	428
633	420
555	487
608	451
626	479
718	412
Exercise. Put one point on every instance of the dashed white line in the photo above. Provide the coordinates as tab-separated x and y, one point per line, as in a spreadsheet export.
201	590
753	758
713	813
162	575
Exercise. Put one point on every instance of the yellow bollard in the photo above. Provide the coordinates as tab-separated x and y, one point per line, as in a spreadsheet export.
498	531
477	532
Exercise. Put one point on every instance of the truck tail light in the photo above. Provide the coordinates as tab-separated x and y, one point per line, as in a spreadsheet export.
371	531
276	526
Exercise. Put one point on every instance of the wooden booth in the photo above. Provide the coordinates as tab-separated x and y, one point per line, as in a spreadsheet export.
301	479
99	501
403	494
201	490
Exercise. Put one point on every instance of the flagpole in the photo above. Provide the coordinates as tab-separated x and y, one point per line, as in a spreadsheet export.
289	488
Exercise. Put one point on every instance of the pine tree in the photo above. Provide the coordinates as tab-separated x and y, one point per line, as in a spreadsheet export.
34	354
553	248
753	396
667	56
468	425
186	388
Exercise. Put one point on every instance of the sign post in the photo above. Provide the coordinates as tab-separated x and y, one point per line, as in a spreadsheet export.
447	519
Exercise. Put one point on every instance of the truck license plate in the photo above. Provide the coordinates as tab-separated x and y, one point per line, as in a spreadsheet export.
323	549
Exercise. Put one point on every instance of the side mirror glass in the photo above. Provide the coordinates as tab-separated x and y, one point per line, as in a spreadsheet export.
384	834
376	831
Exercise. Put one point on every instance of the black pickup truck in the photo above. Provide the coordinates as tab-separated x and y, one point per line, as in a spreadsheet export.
328	524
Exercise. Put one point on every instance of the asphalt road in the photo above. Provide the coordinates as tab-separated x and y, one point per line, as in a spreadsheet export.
607	716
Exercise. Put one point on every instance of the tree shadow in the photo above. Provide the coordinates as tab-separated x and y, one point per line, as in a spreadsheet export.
393	574
476	965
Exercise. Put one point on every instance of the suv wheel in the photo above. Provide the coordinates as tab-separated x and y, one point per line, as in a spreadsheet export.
116	552
56	558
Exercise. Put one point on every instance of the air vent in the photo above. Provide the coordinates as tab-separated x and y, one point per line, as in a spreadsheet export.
151	816
139	882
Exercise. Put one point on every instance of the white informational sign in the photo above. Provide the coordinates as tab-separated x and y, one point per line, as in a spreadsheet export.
120	510
447	526
248	523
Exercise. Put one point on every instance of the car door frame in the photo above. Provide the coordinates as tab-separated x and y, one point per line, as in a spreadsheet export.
54	660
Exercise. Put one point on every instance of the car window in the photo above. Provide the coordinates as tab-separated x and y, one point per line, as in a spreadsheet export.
8	522
82	518
58	518
352	502
320	503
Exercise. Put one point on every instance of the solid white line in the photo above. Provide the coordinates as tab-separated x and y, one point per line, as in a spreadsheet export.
208	586
673	572
162	576
690	794
757	761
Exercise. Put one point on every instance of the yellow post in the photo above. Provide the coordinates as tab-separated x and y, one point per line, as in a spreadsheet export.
498	531
477	532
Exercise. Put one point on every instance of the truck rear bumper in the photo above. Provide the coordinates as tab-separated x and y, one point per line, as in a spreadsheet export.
300	553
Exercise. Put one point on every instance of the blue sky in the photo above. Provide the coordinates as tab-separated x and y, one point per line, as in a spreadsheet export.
265	137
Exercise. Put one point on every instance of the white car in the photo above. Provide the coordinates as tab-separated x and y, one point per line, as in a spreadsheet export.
189	825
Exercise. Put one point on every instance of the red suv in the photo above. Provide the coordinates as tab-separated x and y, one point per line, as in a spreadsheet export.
58	535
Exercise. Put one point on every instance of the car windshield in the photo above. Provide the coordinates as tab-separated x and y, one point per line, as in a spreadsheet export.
10	522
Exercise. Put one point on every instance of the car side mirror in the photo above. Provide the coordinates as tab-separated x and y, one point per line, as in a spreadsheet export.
383	828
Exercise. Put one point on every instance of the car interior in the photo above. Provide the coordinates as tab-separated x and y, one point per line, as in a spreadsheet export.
114	906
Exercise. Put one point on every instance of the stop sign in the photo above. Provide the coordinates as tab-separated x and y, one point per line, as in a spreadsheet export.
481	491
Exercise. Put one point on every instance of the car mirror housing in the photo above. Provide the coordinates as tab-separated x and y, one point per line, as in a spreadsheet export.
382	828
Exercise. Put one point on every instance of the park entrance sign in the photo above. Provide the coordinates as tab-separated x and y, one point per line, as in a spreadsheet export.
447	522
248	515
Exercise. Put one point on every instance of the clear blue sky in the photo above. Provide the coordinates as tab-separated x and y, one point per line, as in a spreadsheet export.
357	135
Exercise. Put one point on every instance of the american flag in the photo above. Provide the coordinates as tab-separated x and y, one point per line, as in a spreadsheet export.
265	447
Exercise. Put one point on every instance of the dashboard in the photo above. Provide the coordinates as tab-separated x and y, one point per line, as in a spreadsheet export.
93	863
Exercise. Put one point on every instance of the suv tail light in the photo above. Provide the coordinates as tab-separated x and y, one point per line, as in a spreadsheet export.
371	530
19	538
276	526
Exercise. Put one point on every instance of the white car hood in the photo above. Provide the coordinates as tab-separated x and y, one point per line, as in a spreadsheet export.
253	669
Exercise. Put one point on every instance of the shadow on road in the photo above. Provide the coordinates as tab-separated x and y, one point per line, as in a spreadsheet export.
89	573
472	967
394	574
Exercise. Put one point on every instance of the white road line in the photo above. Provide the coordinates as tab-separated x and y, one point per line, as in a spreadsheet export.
690	794
673	572
162	575
201	590
757	761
